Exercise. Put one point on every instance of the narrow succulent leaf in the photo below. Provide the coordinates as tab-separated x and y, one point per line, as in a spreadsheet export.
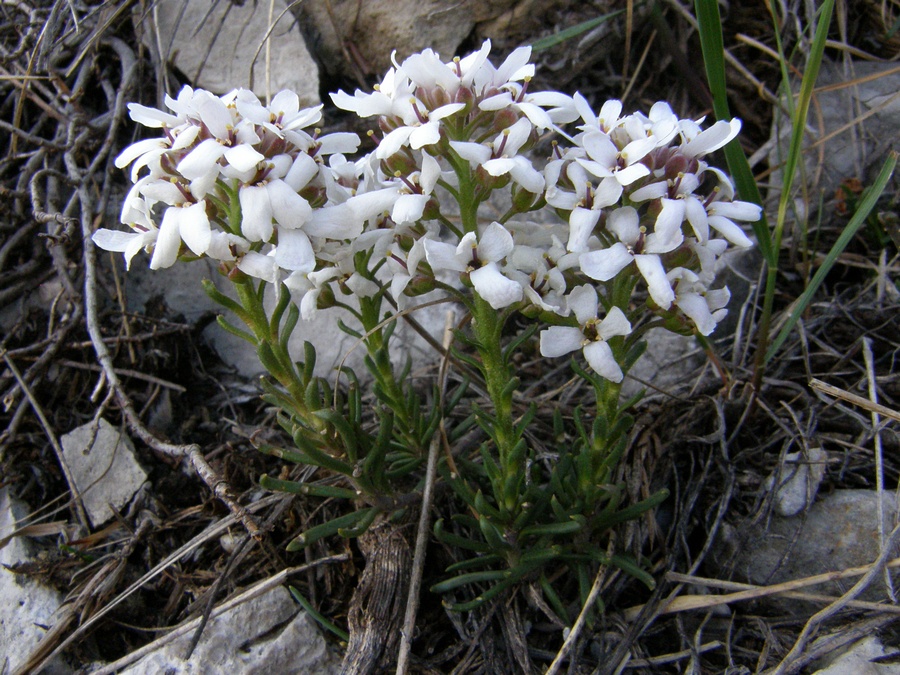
452	539
319	618
328	529
234	330
308	489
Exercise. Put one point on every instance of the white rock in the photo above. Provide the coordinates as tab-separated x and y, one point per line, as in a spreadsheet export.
104	468
265	635
26	606
216	44
799	481
858	661
180	288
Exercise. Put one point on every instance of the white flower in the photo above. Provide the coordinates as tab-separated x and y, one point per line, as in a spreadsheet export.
189	224
635	245
479	257
590	335
702	306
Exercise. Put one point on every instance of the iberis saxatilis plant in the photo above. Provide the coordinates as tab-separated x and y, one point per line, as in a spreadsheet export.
616	226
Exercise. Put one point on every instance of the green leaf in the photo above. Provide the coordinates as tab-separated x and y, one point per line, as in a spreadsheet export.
234	330
330	528
320	618
308	489
452	539
469	578
628	564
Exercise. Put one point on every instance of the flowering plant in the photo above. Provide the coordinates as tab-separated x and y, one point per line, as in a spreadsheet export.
640	222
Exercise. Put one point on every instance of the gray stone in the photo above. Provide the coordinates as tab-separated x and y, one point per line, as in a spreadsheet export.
838	532
217	45
26	607
858	661
104	468
798	481
268	634
370	31
864	118
180	288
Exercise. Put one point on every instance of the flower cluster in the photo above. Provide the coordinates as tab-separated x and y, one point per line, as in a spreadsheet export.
640	208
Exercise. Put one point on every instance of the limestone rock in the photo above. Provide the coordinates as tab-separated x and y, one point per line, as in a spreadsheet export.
838	532
104	468
858	660
798	481
267	634
217	46
26	606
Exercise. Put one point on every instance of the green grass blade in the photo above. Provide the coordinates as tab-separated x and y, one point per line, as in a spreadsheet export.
713	47
865	208
807	84
572	31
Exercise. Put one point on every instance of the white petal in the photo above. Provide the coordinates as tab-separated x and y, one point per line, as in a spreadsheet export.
654	273
430	174
256	213
294	251
581	226
259	266
201	160
527	177
289	209
603	265
696	216
345	143
625	224
334	222
669	220
135	150
168	241
303	170
730	231
443	256
495	243
607	193
193	225
475	153
600	357
630	174
694	306
560	340
745	211
499	167
712	139
392	143
614	324
491	285
582	302
409	208
243	157
650	191
496	102
427	134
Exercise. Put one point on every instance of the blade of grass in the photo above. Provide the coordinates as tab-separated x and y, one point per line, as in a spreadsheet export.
713	48
867	203
572	31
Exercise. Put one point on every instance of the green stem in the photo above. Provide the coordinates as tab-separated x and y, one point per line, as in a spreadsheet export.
487	324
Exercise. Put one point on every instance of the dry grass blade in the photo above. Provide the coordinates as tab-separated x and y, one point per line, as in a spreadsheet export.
691	602
855	399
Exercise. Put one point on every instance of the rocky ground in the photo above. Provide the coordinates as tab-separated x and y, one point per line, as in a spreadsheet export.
125	551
